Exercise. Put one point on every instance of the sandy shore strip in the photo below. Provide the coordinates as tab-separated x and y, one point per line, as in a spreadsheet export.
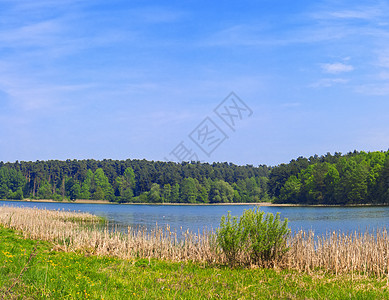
87	201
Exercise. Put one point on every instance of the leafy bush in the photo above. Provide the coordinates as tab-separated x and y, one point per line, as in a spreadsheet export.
254	238
229	237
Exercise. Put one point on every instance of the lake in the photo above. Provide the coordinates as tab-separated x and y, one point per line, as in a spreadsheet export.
197	217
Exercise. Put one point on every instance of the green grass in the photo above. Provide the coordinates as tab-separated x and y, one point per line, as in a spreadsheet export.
59	275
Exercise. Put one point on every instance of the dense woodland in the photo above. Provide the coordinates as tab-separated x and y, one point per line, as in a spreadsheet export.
138	181
354	178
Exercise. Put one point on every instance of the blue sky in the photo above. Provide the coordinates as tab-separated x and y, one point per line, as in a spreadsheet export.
132	79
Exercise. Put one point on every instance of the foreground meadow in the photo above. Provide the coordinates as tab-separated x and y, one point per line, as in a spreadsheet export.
33	270
60	255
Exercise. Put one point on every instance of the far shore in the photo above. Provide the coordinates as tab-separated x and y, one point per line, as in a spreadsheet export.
87	201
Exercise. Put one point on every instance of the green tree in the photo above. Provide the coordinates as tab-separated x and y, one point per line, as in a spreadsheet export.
154	196
188	190
353	182
290	192
45	191
73	188
125	186
12	183
167	192
175	195
383	183
203	195
221	192
331	180
98	193
86	186
101	181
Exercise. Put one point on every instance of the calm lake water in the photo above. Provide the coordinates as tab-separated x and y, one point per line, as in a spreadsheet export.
194	218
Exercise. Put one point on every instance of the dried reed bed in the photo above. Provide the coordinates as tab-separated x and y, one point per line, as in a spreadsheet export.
366	253
72	231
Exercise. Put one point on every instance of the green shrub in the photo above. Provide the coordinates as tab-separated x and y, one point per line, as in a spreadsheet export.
229	237
254	238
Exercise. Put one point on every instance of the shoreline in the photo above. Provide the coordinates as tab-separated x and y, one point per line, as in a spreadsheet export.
81	201
264	204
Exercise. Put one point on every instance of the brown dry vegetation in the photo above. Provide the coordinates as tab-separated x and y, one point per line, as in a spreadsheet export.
365	253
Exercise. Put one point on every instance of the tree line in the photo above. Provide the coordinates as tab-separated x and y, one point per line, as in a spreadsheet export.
134	181
353	178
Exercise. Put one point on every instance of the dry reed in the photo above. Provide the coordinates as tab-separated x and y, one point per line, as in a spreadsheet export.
366	253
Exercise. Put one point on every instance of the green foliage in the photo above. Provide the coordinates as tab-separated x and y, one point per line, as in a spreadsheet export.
45	191
86	186
131	181
12	183
188	191
291	190
73	188
154	196
17	195
355	178
104	189
221	192
125	186
253	238
265	236
175	195
229	238
166	193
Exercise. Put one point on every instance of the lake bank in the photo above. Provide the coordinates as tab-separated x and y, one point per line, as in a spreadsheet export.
42	268
51	274
86	201
359	252
265	204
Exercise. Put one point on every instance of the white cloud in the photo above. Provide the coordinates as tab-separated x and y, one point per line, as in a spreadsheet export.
291	104
383	75
39	34
336	68
364	14
374	89
383	59
372	12
328	82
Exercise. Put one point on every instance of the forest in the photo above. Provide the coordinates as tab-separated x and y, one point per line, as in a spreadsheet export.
134	181
353	178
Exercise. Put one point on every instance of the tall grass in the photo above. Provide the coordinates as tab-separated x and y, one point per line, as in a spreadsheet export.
366	253
61	228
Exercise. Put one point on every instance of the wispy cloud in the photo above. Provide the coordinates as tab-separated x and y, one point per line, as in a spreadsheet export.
336	68
374	89
361	13
383	58
291	104
328	82
384	75
262	34
39	34
156	15
356	14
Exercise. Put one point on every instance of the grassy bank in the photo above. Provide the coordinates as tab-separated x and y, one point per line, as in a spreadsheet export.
32	270
338	253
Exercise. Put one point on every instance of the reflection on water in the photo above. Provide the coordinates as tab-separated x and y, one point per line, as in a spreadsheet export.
197	217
